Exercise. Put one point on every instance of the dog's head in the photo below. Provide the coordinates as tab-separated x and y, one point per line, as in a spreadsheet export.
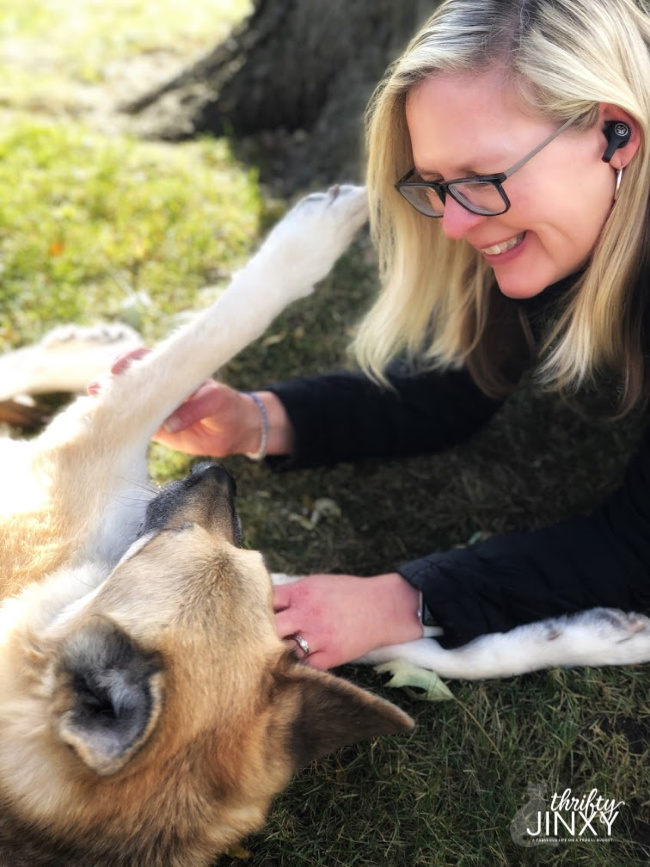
154	720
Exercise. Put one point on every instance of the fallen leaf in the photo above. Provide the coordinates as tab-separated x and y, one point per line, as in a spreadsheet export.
324	507
405	675
238	852
272	339
305	523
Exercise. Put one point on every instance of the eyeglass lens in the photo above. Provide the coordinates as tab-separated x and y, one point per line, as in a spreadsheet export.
482	197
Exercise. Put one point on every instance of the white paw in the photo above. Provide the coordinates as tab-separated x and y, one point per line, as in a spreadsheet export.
306	243
606	636
599	636
75	338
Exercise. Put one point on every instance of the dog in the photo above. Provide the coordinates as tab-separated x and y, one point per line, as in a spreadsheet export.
149	713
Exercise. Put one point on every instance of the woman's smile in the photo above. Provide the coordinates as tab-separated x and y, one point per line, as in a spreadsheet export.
502	247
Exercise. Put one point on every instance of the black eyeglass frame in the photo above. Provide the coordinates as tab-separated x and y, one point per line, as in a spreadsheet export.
444	187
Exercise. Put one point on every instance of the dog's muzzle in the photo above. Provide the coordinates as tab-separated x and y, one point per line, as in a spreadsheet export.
206	497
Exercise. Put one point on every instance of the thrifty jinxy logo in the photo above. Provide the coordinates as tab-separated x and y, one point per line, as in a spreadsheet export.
568	818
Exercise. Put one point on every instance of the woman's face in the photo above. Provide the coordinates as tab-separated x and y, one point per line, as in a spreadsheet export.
463	124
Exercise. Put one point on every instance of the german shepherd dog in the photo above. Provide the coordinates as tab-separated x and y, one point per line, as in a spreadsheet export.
148	710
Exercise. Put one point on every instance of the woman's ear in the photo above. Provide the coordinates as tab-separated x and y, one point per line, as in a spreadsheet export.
626	147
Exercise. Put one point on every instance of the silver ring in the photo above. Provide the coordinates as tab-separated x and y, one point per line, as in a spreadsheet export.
301	642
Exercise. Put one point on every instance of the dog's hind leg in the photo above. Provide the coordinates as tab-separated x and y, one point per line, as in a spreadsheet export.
65	359
599	636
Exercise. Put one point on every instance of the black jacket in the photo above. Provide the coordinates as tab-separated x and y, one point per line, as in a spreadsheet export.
602	559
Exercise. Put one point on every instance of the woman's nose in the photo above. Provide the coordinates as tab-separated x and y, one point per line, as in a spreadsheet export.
457	221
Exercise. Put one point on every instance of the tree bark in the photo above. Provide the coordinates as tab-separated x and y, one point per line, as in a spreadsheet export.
290	86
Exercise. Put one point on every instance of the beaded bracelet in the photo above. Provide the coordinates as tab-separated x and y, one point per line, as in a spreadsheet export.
260	454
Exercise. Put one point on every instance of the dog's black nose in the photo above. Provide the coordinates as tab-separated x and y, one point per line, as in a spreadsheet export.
208	470
205	466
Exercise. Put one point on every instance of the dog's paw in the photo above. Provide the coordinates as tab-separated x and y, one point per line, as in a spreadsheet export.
76	338
303	247
606	636
599	636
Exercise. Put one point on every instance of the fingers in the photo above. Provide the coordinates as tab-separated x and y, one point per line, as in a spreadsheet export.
123	361
95	386
342	617
316	658
288	622
118	366
207	400
281	596
295	618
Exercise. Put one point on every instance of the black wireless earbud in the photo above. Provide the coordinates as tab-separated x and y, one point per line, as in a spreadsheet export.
618	135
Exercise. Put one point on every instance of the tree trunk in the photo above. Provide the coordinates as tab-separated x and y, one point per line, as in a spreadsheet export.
290	86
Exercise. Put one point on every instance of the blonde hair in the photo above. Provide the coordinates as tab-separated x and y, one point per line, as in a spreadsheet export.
439	299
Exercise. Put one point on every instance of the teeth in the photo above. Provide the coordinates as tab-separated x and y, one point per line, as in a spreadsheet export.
504	247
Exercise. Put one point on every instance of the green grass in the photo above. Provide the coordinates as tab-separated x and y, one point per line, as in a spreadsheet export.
446	794
87	219
53	49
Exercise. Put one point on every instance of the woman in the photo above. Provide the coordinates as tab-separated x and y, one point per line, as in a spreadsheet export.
509	184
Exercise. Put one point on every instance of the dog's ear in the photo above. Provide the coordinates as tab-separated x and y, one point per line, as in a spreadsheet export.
324	713
114	697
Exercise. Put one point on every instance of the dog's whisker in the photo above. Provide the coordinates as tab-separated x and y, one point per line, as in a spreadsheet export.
129	498
143	484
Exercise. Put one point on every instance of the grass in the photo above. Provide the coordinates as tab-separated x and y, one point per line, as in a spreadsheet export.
96	225
53	50
115	218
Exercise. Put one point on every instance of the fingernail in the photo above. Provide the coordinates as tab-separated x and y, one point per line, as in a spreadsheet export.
173	424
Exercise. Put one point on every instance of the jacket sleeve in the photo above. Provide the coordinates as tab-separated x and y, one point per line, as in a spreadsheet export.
602	559
347	417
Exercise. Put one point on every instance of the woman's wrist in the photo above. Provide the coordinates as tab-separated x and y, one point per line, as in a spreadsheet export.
267	425
402	617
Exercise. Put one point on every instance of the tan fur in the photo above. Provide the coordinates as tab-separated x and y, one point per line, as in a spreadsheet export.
148	711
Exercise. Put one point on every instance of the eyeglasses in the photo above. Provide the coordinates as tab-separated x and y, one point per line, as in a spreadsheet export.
481	194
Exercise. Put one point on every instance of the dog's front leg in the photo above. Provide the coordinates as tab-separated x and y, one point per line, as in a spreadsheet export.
102	441
299	252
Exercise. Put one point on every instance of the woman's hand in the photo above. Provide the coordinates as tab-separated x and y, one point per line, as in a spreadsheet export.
216	420
343	616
